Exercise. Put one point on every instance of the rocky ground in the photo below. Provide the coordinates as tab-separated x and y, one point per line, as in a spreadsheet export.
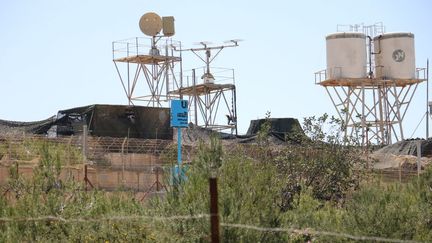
403	154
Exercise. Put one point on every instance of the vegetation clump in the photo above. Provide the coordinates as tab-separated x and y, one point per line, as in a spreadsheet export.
317	185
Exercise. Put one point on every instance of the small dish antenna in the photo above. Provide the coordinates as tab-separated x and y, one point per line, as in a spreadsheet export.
204	43
150	24
234	41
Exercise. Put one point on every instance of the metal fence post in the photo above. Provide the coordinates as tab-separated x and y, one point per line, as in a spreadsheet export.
400	172
9	150
84	144
214	214
418	158
84	153
122	159
138	181
85	177
69	151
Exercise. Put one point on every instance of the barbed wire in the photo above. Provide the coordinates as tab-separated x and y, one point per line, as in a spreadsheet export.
109	218
310	231
307	231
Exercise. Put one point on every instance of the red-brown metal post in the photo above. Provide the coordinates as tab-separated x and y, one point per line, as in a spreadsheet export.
85	177
157	180
214	214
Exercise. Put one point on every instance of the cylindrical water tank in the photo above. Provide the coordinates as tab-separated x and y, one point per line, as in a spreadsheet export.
394	56
346	55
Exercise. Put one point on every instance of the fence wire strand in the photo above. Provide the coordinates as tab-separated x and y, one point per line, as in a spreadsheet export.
310	231
307	231
110	218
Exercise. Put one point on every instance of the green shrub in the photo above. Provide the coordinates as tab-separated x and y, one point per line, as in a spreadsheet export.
298	187
387	212
46	195
248	194
394	211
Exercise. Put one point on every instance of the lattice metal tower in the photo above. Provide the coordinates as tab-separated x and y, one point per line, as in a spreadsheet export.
372	92
213	95
147	67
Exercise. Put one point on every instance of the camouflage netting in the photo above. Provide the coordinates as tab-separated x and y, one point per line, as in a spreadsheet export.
194	134
281	130
101	120
116	121
145	123
11	128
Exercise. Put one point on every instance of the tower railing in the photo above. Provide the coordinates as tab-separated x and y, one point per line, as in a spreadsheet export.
141	46
221	75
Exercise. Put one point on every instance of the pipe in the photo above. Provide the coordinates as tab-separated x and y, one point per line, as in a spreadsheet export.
370	57
373	53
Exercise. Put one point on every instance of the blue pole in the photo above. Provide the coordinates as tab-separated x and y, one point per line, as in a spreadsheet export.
179	153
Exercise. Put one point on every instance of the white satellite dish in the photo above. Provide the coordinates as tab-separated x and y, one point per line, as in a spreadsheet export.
150	24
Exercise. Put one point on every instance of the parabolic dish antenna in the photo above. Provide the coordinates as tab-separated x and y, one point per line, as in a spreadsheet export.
150	24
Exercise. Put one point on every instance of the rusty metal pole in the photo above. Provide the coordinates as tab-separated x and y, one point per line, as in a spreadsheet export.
85	177
214	214
157	180
400	172
418	158
9	150
84	153
84	143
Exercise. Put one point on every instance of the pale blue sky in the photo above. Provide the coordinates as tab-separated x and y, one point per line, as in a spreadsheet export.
56	54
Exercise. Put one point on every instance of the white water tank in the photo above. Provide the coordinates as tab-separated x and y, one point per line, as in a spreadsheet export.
346	55
394	56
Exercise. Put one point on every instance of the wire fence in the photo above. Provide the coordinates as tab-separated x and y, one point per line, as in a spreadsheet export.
290	230
94	147
132	164
402	175
111	163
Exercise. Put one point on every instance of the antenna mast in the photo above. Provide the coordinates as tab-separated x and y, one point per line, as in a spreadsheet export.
147	75
215	94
